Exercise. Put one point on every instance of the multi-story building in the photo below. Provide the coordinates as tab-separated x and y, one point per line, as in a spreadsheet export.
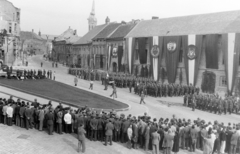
202	50
10	21
61	47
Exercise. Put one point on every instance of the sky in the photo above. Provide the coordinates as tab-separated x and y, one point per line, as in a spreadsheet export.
53	17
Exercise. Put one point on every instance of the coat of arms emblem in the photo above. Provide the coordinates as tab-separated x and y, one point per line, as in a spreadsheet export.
191	53
155	51
171	46
114	52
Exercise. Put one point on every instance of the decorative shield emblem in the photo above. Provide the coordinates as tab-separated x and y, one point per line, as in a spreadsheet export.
171	46
155	51
114	52
191	53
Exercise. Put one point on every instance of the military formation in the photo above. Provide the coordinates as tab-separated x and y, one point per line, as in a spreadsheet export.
139	84
34	74
213	103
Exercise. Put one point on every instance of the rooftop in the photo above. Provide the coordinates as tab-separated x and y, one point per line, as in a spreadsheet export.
107	31
213	23
122	31
87	38
25	35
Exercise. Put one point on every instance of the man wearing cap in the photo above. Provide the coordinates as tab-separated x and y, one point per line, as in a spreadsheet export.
155	142
50	119
94	125
109	132
117	127
28	117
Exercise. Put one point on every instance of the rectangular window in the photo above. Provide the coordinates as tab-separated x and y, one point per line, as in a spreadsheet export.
223	81
10	27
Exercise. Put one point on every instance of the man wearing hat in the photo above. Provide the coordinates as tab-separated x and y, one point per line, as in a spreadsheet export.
94	125
117	127
50	119
109	132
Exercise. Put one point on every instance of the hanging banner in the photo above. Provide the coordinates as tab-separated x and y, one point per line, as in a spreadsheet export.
155	48
130	41
192	47
171	48
211	51
231	49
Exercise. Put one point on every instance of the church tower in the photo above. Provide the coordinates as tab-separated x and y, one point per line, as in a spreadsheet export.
92	20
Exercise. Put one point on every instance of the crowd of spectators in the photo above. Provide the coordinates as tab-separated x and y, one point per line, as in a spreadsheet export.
167	135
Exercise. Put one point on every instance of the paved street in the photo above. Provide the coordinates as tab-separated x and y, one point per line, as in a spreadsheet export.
33	141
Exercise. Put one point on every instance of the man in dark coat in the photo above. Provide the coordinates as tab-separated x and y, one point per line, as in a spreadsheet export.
28	114
50	119
109	132
93	124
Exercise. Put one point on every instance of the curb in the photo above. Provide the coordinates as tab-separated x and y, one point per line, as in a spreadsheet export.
57	100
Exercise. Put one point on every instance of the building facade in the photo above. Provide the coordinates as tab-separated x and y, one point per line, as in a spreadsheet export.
62	45
99	50
201	50
10	21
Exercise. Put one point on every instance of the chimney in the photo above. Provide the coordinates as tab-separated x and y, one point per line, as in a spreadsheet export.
123	22
107	21
32	30
75	32
154	17
39	33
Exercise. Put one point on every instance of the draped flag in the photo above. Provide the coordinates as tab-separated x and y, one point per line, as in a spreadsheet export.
211	51
155	53
192	46
171	48
120	54
109	55
131	49
231	49
142	50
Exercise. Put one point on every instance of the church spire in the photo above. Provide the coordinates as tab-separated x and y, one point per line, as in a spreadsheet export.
92	20
93	8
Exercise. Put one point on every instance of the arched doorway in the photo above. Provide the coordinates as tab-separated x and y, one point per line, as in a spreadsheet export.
114	66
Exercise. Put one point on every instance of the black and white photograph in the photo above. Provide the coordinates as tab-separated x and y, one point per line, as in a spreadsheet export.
119	77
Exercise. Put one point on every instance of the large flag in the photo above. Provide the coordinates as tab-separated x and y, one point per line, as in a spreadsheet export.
156	55
211	51
231	48
131	49
109	56
142	50
192	46
172	46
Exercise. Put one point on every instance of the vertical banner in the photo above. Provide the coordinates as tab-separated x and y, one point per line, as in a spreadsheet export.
211	51
130	40
231	50
172	46
155	52
191	57
192	47
109	52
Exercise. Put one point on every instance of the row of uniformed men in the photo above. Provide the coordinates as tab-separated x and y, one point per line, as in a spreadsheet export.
163	90
213	103
33	74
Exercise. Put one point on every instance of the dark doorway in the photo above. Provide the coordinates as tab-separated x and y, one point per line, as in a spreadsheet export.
114	67
208	82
